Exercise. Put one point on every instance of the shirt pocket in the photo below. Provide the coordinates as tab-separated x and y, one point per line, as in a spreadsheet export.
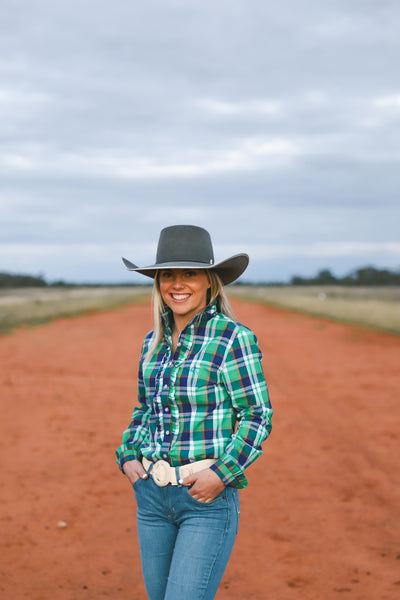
202	383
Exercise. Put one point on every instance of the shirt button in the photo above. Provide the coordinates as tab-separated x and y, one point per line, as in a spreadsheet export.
167	432
165	455
166	409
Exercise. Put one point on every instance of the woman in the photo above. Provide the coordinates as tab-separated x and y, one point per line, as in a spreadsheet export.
202	416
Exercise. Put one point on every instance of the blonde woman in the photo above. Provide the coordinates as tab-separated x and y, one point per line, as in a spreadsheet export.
203	412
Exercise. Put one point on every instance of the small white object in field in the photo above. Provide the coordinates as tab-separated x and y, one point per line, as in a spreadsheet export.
62	524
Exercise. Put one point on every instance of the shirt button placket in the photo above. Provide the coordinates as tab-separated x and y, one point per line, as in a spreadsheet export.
167	415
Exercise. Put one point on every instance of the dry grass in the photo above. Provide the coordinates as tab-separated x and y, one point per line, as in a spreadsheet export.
376	307
33	306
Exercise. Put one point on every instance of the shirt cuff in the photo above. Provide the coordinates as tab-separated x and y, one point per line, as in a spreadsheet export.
125	457
230	473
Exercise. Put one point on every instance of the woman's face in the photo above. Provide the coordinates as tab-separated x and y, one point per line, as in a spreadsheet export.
184	291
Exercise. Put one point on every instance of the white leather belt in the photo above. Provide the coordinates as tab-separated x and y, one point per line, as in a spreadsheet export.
163	474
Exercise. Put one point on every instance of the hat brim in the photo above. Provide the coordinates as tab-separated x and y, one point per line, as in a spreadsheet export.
228	270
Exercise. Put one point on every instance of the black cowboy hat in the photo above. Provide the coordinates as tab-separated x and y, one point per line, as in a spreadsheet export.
188	246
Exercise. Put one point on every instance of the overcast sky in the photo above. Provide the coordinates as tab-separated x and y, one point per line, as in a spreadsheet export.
274	125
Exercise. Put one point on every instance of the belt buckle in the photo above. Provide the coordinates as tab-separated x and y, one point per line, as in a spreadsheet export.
160	473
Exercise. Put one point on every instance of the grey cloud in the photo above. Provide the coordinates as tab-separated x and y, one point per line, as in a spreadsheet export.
263	122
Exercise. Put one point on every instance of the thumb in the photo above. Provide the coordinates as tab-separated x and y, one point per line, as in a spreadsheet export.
189	479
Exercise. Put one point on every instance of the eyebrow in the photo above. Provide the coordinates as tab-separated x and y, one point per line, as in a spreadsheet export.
184	270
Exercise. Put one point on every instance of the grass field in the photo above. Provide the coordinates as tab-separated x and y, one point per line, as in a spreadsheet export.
376	307
33	306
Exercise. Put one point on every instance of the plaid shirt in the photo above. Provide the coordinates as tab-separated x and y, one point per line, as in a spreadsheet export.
209	399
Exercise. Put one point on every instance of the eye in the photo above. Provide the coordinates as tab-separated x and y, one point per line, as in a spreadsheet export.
165	274
190	273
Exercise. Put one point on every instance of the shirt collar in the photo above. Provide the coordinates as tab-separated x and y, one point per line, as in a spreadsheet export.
201	317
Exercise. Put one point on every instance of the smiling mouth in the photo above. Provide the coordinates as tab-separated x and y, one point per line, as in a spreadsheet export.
180	297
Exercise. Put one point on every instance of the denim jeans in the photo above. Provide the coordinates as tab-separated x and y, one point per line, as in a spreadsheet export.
184	544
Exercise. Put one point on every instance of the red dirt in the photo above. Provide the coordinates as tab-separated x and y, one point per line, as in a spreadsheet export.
320	517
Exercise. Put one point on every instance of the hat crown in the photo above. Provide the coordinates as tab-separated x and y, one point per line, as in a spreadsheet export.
185	243
190	247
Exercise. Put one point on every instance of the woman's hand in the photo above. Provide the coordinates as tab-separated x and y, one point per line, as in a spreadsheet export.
134	470
206	485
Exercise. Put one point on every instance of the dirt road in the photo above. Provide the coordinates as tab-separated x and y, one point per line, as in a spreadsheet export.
320	517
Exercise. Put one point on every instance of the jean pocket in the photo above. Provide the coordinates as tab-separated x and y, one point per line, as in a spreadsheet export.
217	500
135	483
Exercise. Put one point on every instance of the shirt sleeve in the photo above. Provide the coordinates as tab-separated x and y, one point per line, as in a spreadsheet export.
243	377
135	436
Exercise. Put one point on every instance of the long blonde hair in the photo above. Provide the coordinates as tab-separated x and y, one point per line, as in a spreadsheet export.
215	293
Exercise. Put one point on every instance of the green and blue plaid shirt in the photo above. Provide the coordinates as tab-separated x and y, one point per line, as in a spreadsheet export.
209	399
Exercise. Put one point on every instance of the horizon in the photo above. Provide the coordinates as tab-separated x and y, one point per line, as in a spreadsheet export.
146	281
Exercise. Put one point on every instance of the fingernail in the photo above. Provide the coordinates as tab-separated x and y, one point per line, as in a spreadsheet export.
180	481
144	476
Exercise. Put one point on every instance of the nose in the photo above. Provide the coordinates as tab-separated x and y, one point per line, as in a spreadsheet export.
178	281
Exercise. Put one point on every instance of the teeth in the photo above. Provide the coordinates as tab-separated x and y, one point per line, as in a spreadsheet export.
180	296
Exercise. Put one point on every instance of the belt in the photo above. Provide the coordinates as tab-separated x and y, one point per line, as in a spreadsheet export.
163	474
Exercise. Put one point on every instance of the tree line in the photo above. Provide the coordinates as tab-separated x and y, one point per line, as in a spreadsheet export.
15	280
8	280
363	276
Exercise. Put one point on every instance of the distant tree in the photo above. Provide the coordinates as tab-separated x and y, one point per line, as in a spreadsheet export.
364	276
297	280
372	276
8	280
325	277
58	283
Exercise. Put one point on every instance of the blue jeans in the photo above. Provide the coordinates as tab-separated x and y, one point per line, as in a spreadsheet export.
184	544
